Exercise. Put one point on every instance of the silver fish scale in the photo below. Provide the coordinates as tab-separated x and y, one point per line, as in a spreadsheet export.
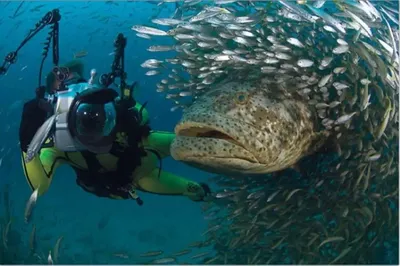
333	69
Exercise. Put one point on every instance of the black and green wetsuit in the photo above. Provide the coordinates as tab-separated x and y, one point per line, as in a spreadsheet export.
98	173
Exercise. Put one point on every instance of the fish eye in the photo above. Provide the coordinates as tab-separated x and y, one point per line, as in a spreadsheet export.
241	98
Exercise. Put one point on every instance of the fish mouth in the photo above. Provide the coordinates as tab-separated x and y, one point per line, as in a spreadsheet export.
197	131
211	148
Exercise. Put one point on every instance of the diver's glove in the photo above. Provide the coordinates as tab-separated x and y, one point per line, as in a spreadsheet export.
206	188
204	194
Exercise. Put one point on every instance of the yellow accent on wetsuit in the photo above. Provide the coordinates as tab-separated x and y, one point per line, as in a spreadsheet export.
40	171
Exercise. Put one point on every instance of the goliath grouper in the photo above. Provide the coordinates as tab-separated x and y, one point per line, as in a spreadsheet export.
246	128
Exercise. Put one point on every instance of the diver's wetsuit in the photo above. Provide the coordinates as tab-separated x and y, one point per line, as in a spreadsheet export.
99	173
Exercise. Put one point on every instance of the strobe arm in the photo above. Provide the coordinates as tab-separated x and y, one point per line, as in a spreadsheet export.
51	18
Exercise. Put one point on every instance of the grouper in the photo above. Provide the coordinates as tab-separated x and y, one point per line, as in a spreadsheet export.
246	128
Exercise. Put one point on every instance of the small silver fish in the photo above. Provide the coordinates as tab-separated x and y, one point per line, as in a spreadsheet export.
39	138
319	3
160	48
203	15
30	205
305	63
166	21
339	86
149	30
361	22
164	260
50	259
340	49
374	157
152	73
222	58
225	194
151	63
144	36
339	70
185	93
341	42
326	61
334	104
174	108
344	118
324	80
328	18
295	42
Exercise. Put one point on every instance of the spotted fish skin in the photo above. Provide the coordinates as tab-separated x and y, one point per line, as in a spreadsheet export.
245	128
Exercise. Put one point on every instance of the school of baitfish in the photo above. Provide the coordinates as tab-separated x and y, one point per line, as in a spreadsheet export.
341	59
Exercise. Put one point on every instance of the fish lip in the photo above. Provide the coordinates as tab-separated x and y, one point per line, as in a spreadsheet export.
200	130
193	129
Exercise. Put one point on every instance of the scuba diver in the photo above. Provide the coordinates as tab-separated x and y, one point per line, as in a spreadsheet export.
104	136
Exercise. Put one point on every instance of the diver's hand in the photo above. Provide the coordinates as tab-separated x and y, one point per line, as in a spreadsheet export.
203	194
207	192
